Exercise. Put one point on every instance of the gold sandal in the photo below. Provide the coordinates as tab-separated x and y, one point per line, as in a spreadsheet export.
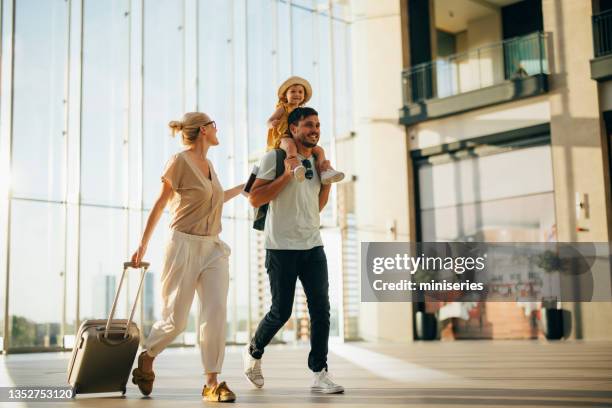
144	380
218	393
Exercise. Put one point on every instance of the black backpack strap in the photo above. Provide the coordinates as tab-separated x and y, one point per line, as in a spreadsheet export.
260	213
280	162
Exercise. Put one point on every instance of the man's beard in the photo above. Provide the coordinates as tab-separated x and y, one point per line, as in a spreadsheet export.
307	143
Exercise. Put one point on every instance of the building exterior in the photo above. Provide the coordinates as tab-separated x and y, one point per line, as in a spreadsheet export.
506	119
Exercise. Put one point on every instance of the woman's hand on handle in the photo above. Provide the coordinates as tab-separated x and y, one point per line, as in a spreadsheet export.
138	255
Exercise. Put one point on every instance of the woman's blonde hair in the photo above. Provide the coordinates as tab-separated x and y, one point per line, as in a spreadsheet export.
189	126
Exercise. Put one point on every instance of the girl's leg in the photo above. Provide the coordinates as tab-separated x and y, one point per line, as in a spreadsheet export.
327	174
322	162
288	145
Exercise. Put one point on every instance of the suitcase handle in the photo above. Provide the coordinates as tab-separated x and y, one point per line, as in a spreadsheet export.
130	264
126	266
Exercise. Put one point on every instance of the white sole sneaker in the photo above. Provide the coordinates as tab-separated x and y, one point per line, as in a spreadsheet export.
299	173
246	360
331	176
334	390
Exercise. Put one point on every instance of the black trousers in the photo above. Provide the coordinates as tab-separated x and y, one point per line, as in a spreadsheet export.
284	268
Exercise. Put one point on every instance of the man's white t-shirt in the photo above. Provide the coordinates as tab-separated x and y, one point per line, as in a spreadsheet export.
292	221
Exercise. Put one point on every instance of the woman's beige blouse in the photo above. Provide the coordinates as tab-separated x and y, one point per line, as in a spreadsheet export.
197	202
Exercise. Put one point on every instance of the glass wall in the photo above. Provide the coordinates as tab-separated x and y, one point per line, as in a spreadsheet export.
488	196
37	216
93	88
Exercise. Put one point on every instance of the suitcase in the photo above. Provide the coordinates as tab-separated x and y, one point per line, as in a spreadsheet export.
105	349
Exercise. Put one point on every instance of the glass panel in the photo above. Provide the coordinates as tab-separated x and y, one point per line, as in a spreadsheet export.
303	51
306	4
239	264
105	102
322	99
38	229
38	109
332	240
72	259
493	198
103	251
342	79
163	89
519	219
3	256
216	84
284	42
261	82
491	177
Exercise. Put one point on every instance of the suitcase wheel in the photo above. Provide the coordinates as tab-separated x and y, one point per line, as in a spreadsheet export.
74	391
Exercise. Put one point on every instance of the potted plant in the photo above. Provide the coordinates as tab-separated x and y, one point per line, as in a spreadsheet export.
556	323
425	323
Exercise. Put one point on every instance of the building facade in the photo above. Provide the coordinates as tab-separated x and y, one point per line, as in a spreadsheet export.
506	117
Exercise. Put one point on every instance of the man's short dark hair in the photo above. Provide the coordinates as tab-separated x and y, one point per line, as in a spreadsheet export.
300	113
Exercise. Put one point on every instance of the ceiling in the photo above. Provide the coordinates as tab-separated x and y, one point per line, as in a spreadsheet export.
453	15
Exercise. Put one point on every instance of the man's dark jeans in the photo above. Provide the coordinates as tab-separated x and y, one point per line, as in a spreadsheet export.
284	267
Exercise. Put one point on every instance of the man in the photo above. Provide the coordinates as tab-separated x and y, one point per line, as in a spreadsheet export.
294	249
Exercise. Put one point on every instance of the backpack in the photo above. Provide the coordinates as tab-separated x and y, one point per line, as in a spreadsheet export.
260	213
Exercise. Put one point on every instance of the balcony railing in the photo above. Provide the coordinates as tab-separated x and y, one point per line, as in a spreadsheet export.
602	33
516	58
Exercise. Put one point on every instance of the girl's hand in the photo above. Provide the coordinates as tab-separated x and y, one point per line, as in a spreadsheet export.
138	255
274	122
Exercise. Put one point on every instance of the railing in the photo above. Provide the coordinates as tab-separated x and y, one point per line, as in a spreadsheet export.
511	59
602	33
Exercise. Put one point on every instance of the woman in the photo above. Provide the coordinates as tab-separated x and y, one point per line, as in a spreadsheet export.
195	260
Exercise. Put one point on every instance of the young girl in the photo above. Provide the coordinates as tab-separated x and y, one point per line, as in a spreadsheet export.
295	92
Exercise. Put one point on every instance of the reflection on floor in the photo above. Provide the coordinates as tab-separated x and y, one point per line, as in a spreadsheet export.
437	374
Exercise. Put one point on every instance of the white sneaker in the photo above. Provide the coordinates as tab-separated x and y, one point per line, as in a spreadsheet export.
252	368
331	176
299	173
323	383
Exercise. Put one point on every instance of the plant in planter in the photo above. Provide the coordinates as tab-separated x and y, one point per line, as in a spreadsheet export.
425	323
555	321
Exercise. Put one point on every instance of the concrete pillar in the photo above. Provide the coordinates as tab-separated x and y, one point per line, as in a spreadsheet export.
379	150
576	140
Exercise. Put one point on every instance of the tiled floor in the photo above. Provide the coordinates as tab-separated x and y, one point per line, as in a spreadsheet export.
437	374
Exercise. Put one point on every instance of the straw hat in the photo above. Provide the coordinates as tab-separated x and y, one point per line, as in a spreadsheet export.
295	80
